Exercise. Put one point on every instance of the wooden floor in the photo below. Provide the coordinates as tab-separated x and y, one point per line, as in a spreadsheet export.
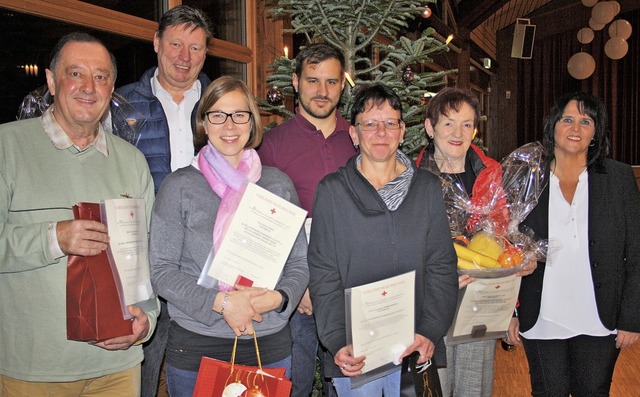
511	374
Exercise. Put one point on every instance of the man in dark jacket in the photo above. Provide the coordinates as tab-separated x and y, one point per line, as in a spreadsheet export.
167	97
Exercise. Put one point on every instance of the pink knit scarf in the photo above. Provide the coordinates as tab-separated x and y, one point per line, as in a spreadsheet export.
229	184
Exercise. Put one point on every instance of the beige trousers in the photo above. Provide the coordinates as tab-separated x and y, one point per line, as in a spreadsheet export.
121	384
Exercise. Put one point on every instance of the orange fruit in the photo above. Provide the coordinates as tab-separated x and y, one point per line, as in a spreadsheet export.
462	240
510	257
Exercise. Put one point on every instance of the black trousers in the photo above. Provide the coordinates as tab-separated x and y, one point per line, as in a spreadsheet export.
581	366
154	350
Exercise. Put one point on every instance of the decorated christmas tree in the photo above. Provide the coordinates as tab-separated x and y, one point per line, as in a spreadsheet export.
378	47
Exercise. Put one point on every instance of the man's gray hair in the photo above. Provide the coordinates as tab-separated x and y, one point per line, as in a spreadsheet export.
78	37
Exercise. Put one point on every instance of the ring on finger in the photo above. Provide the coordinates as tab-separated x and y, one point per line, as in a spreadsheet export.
344	366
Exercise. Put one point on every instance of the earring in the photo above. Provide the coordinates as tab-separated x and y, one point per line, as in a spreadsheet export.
592	143
355	146
430	137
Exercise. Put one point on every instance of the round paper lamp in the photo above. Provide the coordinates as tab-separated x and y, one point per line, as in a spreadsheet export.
616	7
595	25
589	3
616	47
585	35
620	28
581	65
603	12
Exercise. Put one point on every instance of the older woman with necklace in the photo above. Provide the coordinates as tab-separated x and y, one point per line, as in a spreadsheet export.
451	120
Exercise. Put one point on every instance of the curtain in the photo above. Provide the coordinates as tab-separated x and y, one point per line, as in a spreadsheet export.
616	82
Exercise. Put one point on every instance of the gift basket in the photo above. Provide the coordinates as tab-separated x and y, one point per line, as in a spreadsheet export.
486	227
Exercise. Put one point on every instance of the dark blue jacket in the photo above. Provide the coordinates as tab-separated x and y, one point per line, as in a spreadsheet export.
153	138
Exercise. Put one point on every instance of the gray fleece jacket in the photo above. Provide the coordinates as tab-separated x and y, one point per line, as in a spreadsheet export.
356	239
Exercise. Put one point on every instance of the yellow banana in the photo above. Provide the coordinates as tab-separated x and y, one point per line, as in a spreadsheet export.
465	264
475	257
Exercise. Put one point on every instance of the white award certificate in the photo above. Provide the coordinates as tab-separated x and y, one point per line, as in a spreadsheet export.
258	241
380	320
128	249
485	308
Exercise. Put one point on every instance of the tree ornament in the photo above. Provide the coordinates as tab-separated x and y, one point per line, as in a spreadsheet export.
408	75
427	12
275	97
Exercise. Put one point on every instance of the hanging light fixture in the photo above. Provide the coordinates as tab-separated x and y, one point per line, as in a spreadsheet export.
616	48
581	65
585	35
620	28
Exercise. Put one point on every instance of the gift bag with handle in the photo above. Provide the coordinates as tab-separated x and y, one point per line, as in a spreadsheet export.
220	378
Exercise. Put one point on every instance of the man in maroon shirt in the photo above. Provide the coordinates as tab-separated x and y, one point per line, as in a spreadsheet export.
310	145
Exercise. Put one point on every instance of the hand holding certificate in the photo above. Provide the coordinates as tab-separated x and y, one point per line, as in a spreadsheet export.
484	310
380	323
128	249
257	243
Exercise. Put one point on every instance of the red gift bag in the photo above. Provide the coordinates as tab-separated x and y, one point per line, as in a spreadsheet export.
94	312
219	378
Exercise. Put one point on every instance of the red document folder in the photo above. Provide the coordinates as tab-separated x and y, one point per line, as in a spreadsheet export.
94	312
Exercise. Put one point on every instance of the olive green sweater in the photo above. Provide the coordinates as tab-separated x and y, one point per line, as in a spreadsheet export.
39	184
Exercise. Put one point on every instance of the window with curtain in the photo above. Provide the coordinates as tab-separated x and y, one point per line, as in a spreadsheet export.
615	82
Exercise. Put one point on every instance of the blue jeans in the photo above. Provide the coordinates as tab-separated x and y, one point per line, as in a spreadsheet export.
303	354
389	385
582	365
181	383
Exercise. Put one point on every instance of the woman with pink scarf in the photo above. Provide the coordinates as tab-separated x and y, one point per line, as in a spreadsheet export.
193	209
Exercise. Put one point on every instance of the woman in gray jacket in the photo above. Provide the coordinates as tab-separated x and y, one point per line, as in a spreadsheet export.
192	211
376	218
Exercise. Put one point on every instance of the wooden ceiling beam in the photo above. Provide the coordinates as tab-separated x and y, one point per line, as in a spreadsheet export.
472	13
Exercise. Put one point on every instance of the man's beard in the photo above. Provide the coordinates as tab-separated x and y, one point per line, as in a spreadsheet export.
325	112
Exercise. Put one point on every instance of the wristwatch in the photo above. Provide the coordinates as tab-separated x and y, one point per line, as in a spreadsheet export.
285	301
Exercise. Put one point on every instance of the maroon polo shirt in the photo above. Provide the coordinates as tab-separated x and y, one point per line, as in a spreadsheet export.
298	149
